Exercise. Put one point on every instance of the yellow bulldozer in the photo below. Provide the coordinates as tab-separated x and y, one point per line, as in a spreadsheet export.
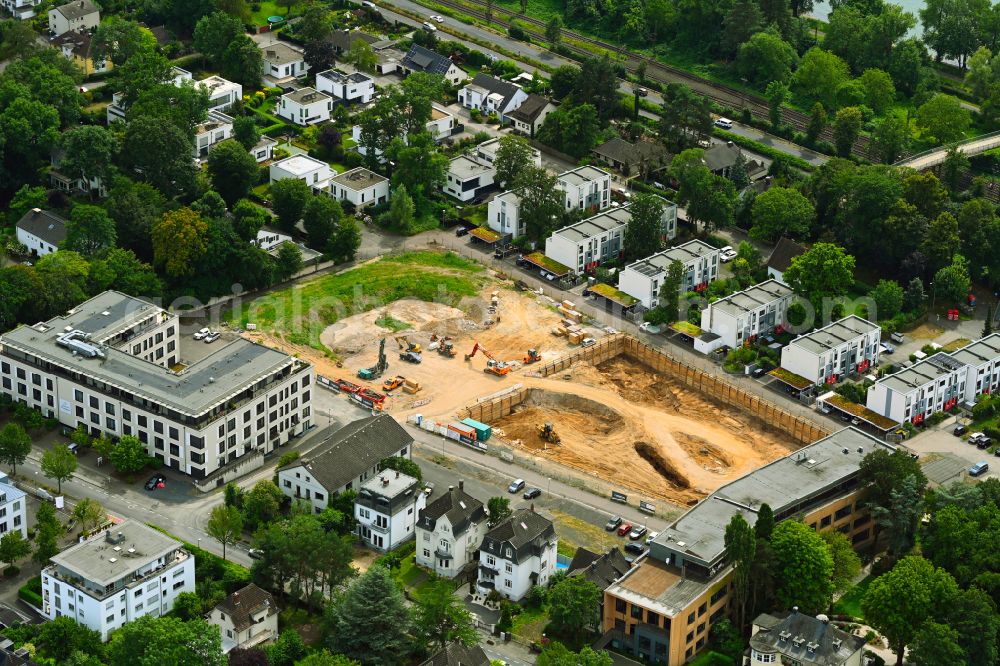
549	434
405	344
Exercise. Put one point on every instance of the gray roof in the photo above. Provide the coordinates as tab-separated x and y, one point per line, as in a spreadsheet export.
659	586
786	485
458	506
465	167
979	352
352	450
529	110
456	654
618	149
98	561
659	263
833	335
44	225
581	175
246	602
721	156
783	253
424	60
359	178
343	78
388	484
750	299
603	222
524	531
79	42
307	96
342	39
810	641
195	390
924	372
9	493
492	84
278	53
601	570
77	9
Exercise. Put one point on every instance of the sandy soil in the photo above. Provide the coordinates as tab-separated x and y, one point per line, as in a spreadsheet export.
925	331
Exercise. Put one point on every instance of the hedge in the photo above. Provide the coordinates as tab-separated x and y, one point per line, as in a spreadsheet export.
765	150
210	565
32	592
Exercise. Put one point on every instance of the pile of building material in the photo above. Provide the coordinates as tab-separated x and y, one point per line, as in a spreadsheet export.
570	329
568	310
411	386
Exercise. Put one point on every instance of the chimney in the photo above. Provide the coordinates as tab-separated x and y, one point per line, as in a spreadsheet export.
795	609
236	598
397	474
451	488
461	484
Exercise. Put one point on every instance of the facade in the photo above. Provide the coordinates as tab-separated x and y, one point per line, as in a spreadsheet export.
468	177
759	310
491	95
217	128
41	231
828	354
360	186
586	187
781	258
246	618
517	554
939	382
386	509
107	366
13	508
503	214
20	9
221	93
305	106
264	150
344	459
75	15
420	59
357	88
529	116
118	576
316	173
643	279
664	607
449	531
75	45
797	638
282	62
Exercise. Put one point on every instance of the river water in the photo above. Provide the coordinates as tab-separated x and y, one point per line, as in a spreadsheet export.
822	10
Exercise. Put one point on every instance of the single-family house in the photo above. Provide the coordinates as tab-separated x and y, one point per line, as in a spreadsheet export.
420	59
282	62
759	310
644	278
440	126
344	459
517	554
781	258
216	128
356	88
73	184
222	93
76	46
268	238
305	106
386	509
503	214
360	187
388	59
246	618
469	177
797	638
491	95
633	159
487	151
449	531
20	10
314	172
341	40
41	231
530	115
831	353
264	150
75	15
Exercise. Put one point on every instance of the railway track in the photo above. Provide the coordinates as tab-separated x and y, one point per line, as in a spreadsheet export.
658	71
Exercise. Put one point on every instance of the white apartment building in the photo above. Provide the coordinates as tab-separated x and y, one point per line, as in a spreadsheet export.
360	187
644	278
222	93
107	365
217	128
584	245
282	62
386	509
503	214
356	88
517	554
40	231
449	531
113	578
746	314
586	187
344	459
828	354
305	106
13	508
468	177
75	15
316	173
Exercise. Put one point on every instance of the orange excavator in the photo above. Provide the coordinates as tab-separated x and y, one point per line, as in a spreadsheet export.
493	366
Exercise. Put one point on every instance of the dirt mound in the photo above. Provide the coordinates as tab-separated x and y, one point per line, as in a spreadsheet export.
651	454
706	454
576	420
415	319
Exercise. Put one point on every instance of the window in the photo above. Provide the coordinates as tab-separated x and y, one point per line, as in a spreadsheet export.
636	612
763	658
702	609
825	522
843	512
620	605
690	618
652	618
509	568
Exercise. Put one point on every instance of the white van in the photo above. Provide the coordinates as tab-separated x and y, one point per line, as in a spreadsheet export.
724	123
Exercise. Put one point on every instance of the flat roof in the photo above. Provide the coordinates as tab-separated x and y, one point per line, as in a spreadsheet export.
359	178
213	120
341	77
196	389
750	299
438	112
388	483
300	165
833	335
923	372
979	352
603	222
656	585
584	174
98	561
658	263
216	83
782	484
307	96
464	167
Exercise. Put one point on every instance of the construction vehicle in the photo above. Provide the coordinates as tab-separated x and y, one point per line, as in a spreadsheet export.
548	434
394	383
447	347
410	357
380	366
346	386
532	357
493	366
404	343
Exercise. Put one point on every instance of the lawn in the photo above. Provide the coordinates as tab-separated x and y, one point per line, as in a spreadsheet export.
269	8
711	658
300	313
393	324
850	603
530	623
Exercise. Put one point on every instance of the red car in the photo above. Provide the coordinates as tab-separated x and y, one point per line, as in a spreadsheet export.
624	529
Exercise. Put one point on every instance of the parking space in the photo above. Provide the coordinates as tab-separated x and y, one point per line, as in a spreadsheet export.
193	350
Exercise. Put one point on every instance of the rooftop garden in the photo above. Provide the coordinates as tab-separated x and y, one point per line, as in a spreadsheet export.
795	381
862	412
613	294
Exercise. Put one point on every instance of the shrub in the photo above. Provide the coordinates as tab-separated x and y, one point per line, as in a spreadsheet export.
10	571
515	31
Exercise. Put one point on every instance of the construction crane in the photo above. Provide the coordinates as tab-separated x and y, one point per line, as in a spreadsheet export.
532	357
493	366
380	366
405	344
548	434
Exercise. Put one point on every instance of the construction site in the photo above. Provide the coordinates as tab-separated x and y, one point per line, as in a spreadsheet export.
522	366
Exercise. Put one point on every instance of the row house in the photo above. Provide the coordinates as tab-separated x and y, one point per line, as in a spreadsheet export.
742	316
644	278
828	354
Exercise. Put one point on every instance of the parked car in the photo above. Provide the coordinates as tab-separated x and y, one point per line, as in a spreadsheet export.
637	533
156	481
724	123
212	337
727	254
959	430
758	372
43	494
652	535
979	469
462	231
642	92
646	327
516	486
983	443
634	548
975	437
588	342
624	529
613	523
532	493
200	335
255	554
74	448
896	337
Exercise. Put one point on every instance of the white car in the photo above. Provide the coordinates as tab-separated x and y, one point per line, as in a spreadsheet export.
724	123
427	25
201	334
439	19
212	337
646	327
588	342
727	254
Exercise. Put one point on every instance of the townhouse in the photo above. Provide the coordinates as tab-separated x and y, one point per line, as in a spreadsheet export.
517	554
74	16
449	531
282	62
356	88
316	173
491	95
982	361
503	214
644	278
386	509
246	618
360	187
420	59
739	317
40	231
586	187
664	607
305	106
117	576
828	354
108	365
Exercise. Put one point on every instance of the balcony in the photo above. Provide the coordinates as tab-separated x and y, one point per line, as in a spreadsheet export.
443	554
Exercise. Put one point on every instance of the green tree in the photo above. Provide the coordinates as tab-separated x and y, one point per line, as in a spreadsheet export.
803	567
88	513
817	122
574	606
188	606
48	529
556	654
135	208
25	199
643	236
880	92
362	56
914	296
514	157
766	58
741	550
233	170
247	219
777	94
214	33
900	601
160	152
225	525
246	132
888	297
846	128
345	241
553	31
419	167
319	218
287	650
88	153
63	636
13	548
743	20
498	509
819	75
846	563
369	621
890	138
685	118
401	210
542	203
289	261
943	119
935	644
89	230
129	455
288	199
261	504
58	463
153	641
952	282
440	617
15	444
825	271
781	211
325	658
243	62
317	24
179	240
